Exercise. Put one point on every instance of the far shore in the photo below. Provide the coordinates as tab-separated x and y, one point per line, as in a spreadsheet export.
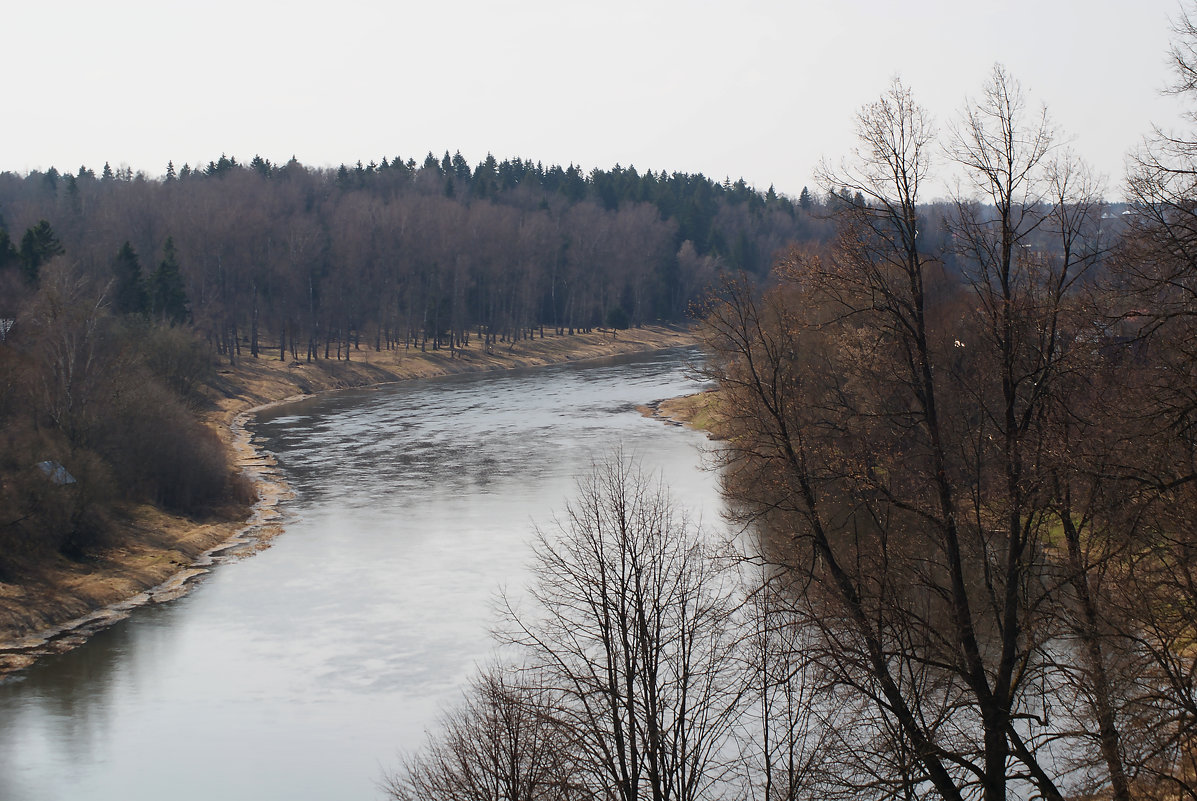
162	555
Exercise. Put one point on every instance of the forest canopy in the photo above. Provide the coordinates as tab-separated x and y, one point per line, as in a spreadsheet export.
397	251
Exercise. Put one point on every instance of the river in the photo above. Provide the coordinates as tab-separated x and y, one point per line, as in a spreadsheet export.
303	671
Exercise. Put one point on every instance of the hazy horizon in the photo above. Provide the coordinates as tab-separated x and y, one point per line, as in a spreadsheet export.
762	92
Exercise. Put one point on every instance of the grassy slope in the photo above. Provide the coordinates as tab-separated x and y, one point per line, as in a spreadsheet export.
62	603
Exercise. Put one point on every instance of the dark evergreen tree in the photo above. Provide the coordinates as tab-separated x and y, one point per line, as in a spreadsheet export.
72	192
38	246
461	168
805	200
129	295
168	298
486	177
607	187
8	253
225	165
574	185
510	174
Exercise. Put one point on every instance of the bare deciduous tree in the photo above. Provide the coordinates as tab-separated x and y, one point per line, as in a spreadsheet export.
630	624
504	742
787	733
901	424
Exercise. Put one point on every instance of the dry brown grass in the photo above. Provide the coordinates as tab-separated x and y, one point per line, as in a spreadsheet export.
699	411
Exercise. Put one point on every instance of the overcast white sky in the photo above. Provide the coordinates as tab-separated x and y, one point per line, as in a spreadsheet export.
759	89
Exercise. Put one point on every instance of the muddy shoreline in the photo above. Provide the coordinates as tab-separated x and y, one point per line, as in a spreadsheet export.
253	534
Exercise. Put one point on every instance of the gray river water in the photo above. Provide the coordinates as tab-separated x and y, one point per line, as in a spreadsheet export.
302	672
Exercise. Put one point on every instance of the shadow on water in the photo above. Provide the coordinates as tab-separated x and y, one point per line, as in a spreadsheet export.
66	706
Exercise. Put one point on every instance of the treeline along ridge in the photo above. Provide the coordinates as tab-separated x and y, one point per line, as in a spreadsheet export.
396	253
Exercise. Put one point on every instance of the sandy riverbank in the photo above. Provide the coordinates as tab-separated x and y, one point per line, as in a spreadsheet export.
161	554
697	411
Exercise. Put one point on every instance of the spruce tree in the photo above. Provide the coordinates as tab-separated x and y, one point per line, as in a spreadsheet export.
8	253
72	192
486	177
574	185
130	294
167	296
38	246
461	168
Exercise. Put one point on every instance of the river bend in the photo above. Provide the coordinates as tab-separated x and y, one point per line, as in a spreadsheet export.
302	672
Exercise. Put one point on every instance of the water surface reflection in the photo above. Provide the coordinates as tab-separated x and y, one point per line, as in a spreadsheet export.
300	672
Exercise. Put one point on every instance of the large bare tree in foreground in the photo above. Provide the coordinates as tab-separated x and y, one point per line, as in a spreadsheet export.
905	428
972	476
630	622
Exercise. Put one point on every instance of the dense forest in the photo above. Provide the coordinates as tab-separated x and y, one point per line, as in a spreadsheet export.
394	253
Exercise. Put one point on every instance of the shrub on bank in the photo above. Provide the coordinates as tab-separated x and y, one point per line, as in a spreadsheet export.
110	401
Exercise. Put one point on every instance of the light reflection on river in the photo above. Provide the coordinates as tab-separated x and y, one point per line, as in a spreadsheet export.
300	673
